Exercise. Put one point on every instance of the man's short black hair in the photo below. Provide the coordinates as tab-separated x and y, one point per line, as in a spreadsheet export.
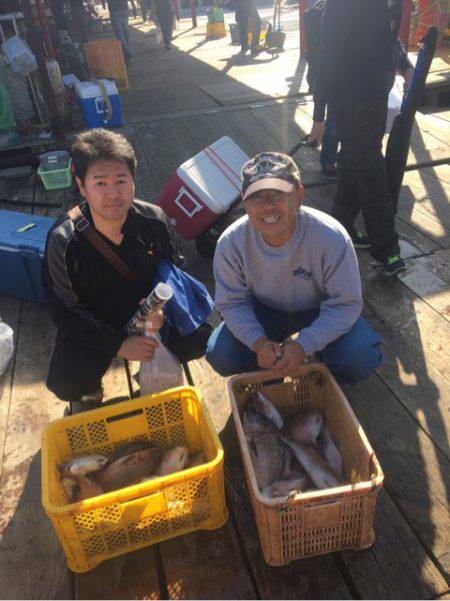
97	145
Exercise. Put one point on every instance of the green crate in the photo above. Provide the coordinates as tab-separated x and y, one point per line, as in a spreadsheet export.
58	179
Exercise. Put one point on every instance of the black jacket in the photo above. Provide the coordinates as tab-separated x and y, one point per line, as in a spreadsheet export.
90	302
357	49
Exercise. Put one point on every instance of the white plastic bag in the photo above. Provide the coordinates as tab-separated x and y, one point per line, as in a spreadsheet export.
19	55
6	346
162	372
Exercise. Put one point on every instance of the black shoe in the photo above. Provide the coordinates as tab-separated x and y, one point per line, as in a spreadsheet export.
243	51
255	51
330	172
393	265
360	240
82	406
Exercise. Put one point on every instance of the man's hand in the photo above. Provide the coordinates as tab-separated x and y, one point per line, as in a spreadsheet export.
317	132
267	352
138	348
293	356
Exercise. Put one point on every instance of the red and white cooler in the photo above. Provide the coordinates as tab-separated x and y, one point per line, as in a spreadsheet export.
203	187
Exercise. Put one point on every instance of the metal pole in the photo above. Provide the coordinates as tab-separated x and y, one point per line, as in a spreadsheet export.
45	31
193	13
405	23
49	95
302	5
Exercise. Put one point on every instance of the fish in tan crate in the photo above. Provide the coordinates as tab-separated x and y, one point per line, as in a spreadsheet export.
289	457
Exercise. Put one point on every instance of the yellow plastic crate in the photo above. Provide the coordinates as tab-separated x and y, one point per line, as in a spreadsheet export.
121	521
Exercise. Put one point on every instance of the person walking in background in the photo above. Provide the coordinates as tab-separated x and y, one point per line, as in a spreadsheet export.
355	72
246	10
165	13
144	10
118	11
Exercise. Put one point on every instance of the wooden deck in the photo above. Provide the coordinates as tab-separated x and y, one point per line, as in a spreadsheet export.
403	407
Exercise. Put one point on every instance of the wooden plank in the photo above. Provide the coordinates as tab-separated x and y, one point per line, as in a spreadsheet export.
10	310
157	153
417	473
146	188
397	566
428	286
222	124
251	128
130	576
198	130
206	565
438	263
427	195
441	172
33	564
421	389
316	578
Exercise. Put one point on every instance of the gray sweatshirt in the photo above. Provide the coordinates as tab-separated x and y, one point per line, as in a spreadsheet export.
316	268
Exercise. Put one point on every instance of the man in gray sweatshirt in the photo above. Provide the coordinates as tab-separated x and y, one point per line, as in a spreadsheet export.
288	284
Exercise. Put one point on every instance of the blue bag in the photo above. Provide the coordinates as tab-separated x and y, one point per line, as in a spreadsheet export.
191	303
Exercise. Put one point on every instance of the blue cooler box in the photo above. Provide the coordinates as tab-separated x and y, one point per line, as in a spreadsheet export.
22	245
94	106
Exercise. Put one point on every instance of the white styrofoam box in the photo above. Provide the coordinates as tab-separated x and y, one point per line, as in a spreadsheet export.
89	89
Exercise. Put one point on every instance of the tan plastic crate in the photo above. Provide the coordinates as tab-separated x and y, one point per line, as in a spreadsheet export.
315	522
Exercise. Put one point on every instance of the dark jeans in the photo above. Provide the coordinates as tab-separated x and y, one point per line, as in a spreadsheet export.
164	13
245	10
362	183
77	370
330	143
119	22
144	9
350	358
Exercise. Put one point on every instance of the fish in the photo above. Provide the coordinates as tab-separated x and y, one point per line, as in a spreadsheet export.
255	424
196	459
305	427
283	488
87	488
268	457
129	448
314	464
80	466
129	469
174	460
259	401
329	451
70	487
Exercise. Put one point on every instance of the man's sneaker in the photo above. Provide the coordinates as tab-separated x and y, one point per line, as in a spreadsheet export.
82	406
360	240
329	172
393	265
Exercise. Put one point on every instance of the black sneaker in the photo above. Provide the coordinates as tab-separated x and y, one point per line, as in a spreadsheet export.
393	265
360	240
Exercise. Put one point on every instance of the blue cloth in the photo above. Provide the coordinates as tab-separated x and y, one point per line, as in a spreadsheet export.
350	358
190	304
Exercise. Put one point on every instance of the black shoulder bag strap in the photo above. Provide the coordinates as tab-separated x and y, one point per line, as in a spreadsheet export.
83	226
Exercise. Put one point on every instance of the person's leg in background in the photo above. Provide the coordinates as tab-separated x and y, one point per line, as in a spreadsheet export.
119	22
329	151
144	10
164	12
371	183
242	15
256	27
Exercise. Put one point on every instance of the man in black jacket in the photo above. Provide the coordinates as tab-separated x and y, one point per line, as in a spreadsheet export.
355	73
90	300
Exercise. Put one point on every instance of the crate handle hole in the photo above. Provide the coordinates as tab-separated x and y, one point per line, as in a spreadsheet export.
117	418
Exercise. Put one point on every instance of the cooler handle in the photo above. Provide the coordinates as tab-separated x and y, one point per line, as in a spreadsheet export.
178	201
